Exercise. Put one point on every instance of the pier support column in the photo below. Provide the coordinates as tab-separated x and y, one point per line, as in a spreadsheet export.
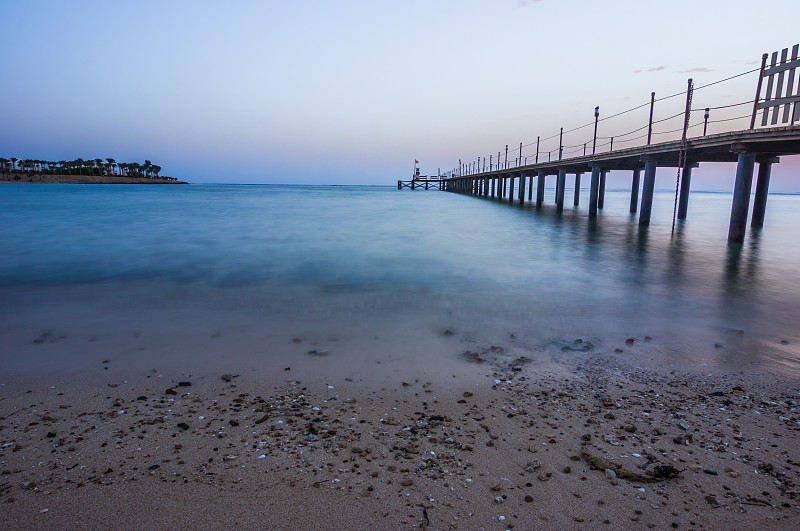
522	189
635	191
492	186
560	186
762	189
511	189
647	192
540	188
741	197
577	189
601	194
486	187
530	188
683	202
593	191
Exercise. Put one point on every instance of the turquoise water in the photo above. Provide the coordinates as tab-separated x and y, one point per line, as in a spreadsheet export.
329	255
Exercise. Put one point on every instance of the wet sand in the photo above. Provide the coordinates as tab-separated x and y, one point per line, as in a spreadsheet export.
577	436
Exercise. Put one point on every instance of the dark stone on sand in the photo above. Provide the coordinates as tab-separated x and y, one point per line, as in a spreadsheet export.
226	377
665	471
50	435
528	498
141	397
171	392
318	353
183	426
630	341
155	467
184	384
710	472
716	393
448	333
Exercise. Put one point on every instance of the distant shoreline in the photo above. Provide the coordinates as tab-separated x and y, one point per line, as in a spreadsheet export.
46	178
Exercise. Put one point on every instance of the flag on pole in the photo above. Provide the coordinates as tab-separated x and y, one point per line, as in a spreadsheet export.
416	161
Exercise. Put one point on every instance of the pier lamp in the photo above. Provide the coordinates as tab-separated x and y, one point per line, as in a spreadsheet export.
594	140
705	124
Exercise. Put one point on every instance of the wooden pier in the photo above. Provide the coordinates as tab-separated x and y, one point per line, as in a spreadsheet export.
763	145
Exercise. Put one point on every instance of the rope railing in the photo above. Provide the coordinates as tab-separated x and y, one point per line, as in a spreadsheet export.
543	149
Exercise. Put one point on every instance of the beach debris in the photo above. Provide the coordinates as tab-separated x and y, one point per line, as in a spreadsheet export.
171	392
473	357
600	463
183	426
630	341
184	384
226	377
528	498
318	353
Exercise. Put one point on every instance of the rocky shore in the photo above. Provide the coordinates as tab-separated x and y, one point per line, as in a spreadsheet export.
589	441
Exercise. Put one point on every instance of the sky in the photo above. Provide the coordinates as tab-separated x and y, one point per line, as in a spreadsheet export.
352	92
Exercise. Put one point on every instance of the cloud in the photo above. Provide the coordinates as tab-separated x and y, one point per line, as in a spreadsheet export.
697	69
656	69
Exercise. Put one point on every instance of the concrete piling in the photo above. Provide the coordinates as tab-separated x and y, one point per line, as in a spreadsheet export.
741	197
647	192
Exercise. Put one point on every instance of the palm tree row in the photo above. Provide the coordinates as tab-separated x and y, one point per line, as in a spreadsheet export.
79	166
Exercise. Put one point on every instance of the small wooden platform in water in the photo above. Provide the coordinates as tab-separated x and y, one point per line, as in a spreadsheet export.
422	182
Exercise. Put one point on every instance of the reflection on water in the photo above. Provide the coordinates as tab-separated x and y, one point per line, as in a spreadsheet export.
438	255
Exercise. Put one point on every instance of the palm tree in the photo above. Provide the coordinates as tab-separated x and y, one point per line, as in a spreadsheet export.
111	164
156	170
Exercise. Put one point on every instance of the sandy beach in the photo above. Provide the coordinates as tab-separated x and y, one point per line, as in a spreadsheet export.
590	438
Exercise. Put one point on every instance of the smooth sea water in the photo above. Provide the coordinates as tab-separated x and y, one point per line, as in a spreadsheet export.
273	262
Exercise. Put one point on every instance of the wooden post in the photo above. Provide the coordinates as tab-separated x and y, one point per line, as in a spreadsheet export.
398	185
577	189
521	188
601	194
560	185
635	191
492	185
650	124
762	189
593	190
647	192
412	183
741	197
758	90
511	189
683	203
540	188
